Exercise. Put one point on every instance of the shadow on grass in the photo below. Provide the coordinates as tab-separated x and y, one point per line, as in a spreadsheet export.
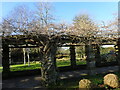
74	82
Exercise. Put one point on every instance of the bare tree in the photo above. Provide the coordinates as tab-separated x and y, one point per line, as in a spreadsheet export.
18	22
109	30
83	25
6	28
43	13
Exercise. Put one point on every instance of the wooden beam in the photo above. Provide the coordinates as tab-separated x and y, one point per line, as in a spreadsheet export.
23	46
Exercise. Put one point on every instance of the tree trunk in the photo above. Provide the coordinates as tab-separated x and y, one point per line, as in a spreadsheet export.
72	56
5	58
48	68
10	56
24	56
28	57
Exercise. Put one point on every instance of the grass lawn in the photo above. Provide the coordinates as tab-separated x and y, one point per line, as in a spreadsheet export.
66	62
21	67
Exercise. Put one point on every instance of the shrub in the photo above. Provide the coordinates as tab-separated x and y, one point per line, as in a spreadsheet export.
111	80
85	83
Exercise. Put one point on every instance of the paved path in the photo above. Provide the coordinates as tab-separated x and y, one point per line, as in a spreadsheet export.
78	73
34	81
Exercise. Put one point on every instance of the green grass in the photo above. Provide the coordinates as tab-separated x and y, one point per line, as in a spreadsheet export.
66	62
73	83
63	63
80	62
22	67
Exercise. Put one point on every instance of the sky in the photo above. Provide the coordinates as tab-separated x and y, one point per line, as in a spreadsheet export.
66	11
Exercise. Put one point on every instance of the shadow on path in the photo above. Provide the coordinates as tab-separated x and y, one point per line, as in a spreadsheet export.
35	81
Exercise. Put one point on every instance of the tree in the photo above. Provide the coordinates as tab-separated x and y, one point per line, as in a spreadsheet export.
80	51
26	50
84	26
7	28
109	30
19	21
43	33
43	13
28	57
24	55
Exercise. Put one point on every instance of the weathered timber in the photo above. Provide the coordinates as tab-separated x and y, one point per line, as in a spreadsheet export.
118	56
97	55
48	69
5	58
90	58
72	56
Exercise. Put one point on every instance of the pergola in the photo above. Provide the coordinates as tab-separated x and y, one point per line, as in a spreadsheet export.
27	41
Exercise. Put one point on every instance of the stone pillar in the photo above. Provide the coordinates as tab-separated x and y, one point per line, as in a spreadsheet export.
90	59
5	58
48	68
97	55
72	56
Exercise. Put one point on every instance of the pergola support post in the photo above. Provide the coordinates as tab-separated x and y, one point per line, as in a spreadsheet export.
48	67
5	58
90	59
72	56
118	56
97	55
54	59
